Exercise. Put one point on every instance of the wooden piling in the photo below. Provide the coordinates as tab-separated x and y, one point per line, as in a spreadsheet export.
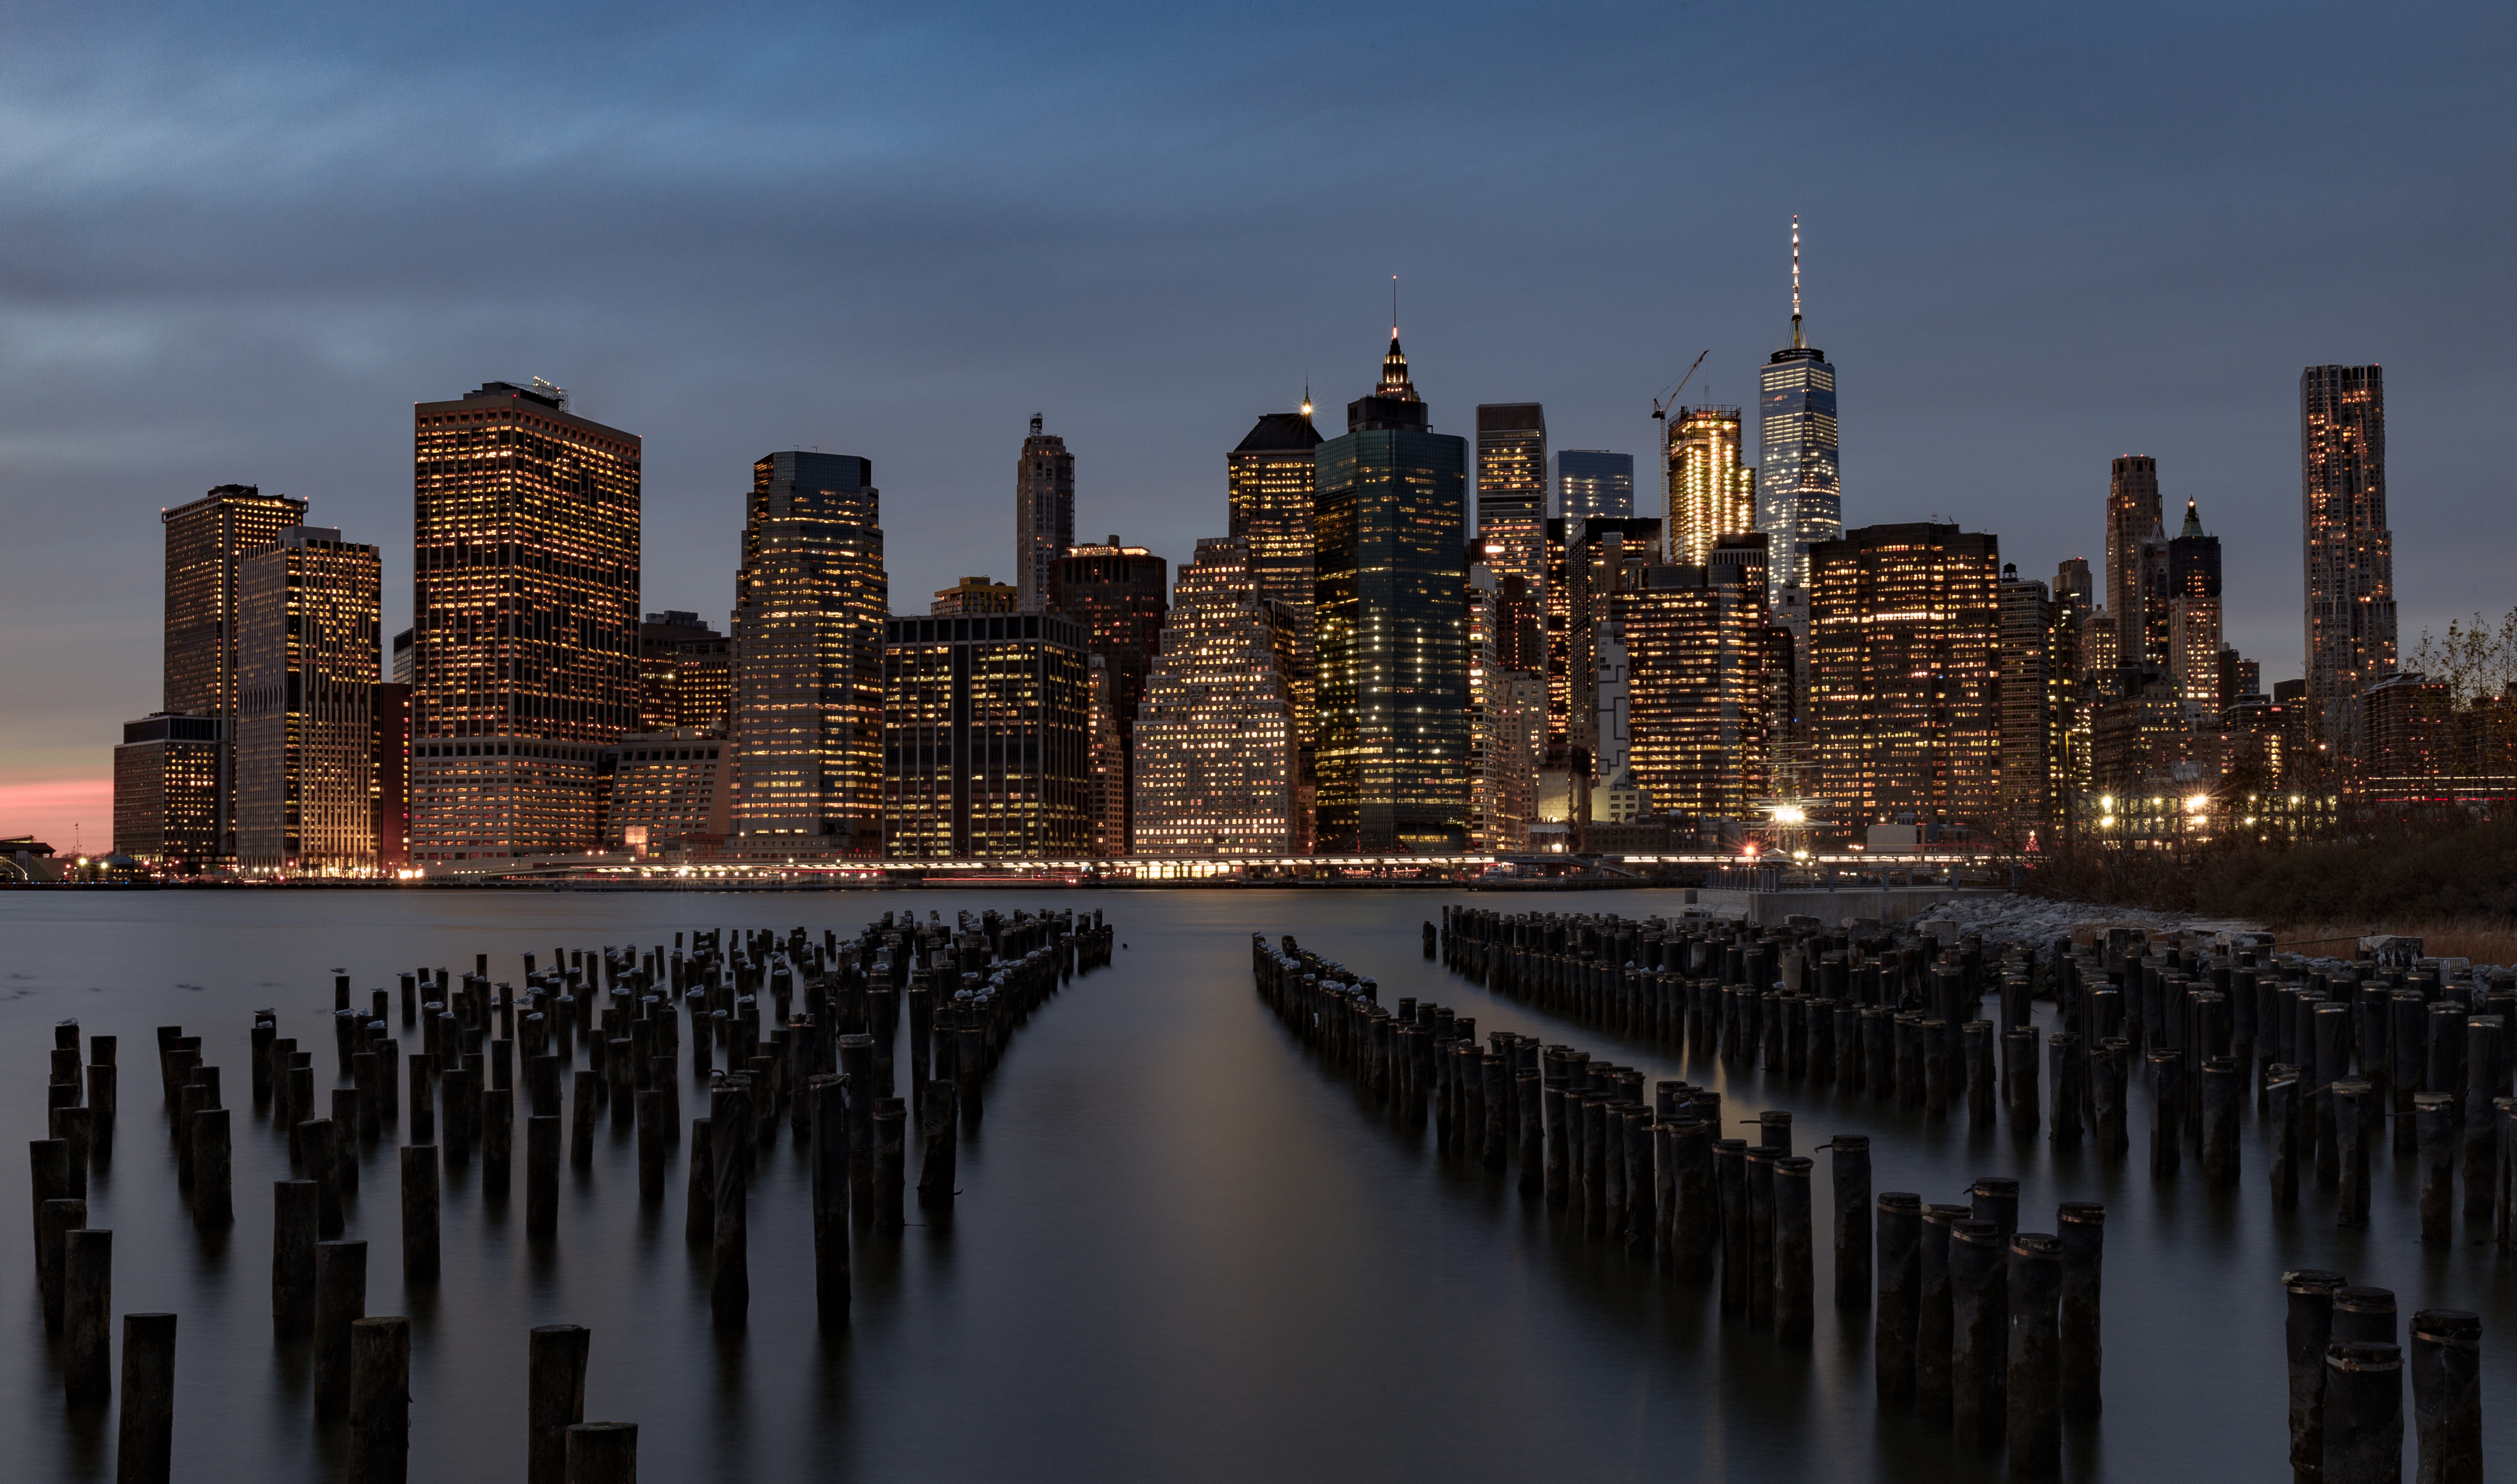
602	1452
87	1317
319	1153
730	1134
1795	1277
828	1153
651	1145
419	1202
2363	1413
2078	1329
554	1398
2034	1359
144	1432
1901	1281
580	1145
296	1224
541	1177
2446	1395
379	1400
2351	1130
1730	1184
54	1220
2306	1331
340	1298
423	1098
1934	1339
1850	1167
1977	1333
2220	1091
938	1159
497	1117
2282	1093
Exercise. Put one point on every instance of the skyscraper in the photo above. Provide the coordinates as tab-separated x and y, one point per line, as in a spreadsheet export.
1216	750
1588	558
1594	482
2027	699
1905	640
1711	493
1699	721
1043	515
2194	618
1272	477
975	595
1511	488
1508	712
1117	593
309	656
1390	520
2132	514
166	790
809	607
2350	551
987	747
205	540
1799	501
525	620
660	661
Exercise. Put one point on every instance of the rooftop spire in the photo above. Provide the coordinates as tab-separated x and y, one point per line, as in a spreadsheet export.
2193	522
1796	280
1394	384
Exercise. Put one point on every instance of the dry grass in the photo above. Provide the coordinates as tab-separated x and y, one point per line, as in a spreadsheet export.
2482	941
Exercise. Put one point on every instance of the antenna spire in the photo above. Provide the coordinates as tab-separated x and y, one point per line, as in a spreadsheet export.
1393	305
1796	280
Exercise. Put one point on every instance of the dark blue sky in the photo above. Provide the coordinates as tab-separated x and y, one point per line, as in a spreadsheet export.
240	241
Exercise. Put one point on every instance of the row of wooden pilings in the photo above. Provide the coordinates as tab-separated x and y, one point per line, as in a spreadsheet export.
2346	1385
828	1065
2329	1051
1994	1330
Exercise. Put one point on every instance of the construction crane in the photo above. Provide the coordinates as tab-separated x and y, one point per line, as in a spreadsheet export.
1668	399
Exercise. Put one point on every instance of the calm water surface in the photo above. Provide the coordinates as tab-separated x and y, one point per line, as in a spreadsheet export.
1182	1249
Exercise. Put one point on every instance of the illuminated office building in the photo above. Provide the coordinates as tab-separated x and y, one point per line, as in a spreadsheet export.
661	690
1043	515
205	540
1588	558
1506	712
1117	593
1511	488
2132	514
665	791
166	790
1800	500
389	774
1698	713
1594	482
1391	630
2194	618
1216	756
2350	551
1272	477
1903	706
975	595
987	745
2027	702
1105	786
525	622
810	602
399	667
1711	493
310	650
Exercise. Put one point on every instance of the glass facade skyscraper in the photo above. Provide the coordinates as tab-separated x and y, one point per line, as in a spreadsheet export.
1043	515
1799	501
810	601
205	540
1712	495
1594	482
309	648
1390	520
987	737
1511	488
2350	551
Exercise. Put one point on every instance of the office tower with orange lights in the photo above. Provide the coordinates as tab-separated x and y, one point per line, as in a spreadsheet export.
1700	723
309	656
1712	495
1105	786
1512	490
1043	515
1588	558
987	738
525	622
2132	514
2350	551
1272	475
389	774
1506	712
205	540
1800	498
810	602
974	595
1391	628
660	639
1118	593
1216	756
166	775
2028	718
2194	618
1904	715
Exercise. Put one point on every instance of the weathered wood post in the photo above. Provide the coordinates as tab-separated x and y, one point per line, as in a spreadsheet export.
2307	1330
554	1398
340	1298
2363	1413
1850	1164
2167	1116
1933	1340
541	1175
602	1452
2036	1370
2435	1114
1901	1282
1977	1333
730	1133
144	1450
1731	1182
87	1316
2282	1093
420	1202
2077	1329
296	1222
828	1154
1795	1273
213	1190
379	1400
2446	1395
938	1161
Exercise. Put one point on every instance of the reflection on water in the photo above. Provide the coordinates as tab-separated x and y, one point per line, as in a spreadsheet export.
1181	1248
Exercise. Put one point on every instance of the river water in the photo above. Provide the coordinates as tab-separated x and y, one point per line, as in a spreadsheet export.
1182	1249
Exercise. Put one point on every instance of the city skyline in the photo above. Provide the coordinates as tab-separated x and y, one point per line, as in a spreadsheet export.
306	302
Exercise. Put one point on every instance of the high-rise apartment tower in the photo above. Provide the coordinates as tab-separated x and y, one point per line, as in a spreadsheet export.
1043	515
2350	551
1711	493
